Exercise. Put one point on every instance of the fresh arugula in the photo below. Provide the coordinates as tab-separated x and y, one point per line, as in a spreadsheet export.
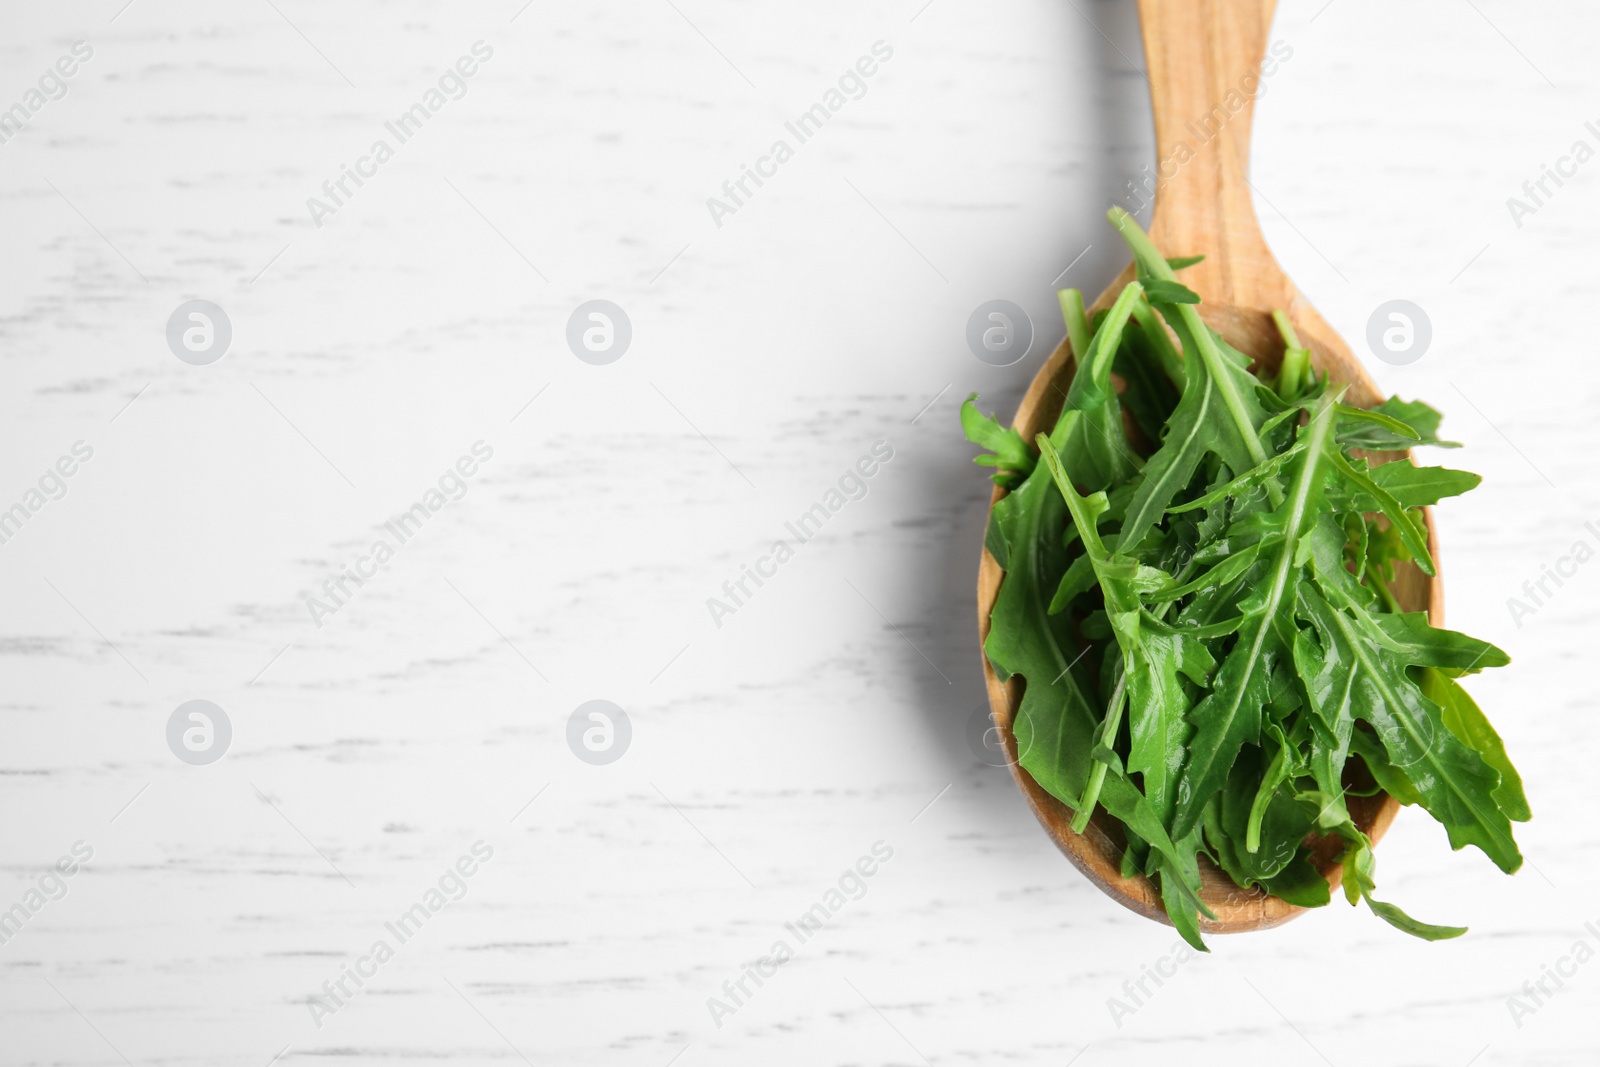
1198	569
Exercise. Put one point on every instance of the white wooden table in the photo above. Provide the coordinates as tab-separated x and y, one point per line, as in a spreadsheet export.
829	712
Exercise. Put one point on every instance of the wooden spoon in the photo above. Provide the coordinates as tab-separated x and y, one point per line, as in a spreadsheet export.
1204	59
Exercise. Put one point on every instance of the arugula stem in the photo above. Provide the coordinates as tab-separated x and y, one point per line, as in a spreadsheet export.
1212	753
1077	321
1258	807
1292	373
1286	330
1089	381
1084	521
1381	586
1198	333
1097	772
1151	325
1295	369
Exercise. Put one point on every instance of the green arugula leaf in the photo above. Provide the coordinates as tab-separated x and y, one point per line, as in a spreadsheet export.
1390	779
1007	450
1230	715
1358	883
1219	412
1422	420
1150	395
1157	727
1203	600
1150	329
1097	445
1401	521
1454	782
1300	883
1170	292
1415	486
1387	422
1225	573
1464	719
1421	645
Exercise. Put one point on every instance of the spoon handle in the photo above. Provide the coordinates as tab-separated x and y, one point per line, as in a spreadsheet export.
1207	61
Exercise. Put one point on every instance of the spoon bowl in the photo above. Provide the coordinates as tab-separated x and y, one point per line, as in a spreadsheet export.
1205	59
